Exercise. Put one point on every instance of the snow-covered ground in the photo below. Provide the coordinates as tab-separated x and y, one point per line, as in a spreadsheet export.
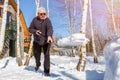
62	68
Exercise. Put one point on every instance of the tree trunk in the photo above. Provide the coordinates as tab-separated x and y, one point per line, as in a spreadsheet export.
29	52
37	5
2	33
82	61
113	19
48	13
18	37
81	5
68	15
92	33
74	18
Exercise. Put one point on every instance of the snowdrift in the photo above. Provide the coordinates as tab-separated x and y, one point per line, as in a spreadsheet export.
112	57
73	40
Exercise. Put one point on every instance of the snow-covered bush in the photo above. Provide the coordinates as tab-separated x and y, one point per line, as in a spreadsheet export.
112	57
75	39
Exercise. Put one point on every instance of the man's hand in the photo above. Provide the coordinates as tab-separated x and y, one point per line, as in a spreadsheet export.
50	39
38	32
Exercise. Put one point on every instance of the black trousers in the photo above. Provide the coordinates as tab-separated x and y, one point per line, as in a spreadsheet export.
37	54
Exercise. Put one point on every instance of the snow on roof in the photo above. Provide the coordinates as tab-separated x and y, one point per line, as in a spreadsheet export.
73	40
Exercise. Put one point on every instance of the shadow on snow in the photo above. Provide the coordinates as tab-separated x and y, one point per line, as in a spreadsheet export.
94	75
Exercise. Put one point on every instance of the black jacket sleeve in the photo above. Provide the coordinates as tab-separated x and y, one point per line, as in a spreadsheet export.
49	28
32	27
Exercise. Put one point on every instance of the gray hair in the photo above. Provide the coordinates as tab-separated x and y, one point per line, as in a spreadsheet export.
41	9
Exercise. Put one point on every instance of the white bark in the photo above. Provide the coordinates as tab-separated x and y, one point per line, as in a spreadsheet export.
84	17
2	34
82	61
48	13
29	52
81	5
18	36
92	33
74	18
68	15
22	42
37	5
112	13
113	19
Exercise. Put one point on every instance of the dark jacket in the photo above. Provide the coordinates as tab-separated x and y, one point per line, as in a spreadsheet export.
44	26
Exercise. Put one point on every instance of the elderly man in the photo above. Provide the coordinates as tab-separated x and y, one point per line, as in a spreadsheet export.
42	30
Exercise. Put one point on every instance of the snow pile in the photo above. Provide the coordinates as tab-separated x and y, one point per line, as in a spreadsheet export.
73	40
112	58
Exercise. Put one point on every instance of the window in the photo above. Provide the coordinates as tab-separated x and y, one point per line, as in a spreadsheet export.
1	2
8	18
1	11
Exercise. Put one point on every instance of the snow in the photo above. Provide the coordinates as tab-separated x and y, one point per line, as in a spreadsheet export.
112	60
62	68
75	39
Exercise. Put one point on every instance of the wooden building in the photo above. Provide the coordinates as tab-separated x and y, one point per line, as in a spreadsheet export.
9	47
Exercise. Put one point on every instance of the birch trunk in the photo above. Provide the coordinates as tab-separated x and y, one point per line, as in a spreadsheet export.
113	19
73	25
82	61
18	36
32	39
2	33
81	5
74	18
37	5
21	41
48	13
112	13
92	33
68	15
29	52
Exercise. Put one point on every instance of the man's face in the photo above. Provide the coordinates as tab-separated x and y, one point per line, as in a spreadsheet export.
42	14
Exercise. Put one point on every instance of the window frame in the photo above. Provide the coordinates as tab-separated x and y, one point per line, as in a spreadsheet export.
1	2
1	11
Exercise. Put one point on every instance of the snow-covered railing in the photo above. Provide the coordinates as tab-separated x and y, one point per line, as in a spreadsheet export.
112	57
74	40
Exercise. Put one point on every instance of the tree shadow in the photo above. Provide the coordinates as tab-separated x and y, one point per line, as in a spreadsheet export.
32	68
6	63
69	75
54	75
94	75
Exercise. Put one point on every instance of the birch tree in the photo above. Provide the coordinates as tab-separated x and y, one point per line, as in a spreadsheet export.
92	33
82	60
73	24
48	11
68	15
32	39
2	33
18	36
74	15
112	15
